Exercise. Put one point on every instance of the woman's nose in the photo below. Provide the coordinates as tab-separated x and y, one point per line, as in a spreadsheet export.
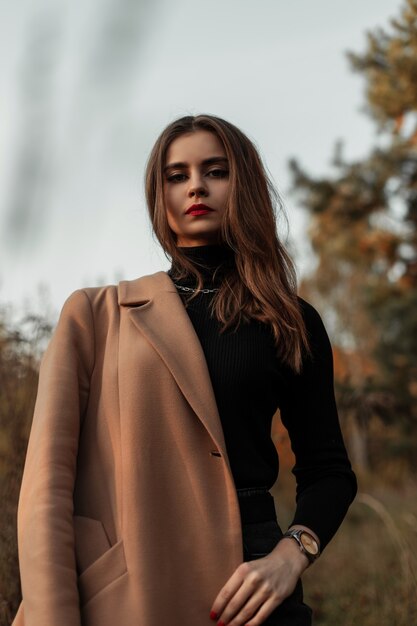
197	188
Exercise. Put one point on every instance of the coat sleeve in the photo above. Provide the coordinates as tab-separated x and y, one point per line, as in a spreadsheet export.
45	510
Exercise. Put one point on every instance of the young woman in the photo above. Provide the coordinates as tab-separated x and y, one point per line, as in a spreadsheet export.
145	497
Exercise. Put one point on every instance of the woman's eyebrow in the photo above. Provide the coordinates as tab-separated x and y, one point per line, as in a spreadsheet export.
210	161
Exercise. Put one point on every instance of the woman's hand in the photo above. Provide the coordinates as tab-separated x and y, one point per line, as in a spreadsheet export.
259	586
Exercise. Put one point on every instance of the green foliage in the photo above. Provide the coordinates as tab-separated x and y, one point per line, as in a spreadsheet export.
363	228
390	68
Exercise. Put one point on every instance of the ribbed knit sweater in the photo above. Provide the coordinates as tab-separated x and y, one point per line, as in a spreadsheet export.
250	384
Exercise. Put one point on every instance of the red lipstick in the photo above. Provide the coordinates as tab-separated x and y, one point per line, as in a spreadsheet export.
198	209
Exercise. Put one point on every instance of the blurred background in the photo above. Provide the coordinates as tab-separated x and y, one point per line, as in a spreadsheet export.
328	92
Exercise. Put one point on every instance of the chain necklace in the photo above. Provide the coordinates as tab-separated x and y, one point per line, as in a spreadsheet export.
189	289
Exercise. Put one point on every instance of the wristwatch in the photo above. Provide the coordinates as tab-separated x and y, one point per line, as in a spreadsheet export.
308	545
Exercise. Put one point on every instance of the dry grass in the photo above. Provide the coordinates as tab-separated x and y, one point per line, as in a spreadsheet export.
367	575
18	382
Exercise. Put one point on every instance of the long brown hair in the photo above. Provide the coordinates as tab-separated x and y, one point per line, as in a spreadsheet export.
264	287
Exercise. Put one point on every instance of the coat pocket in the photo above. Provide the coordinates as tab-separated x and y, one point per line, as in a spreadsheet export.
98	562
91	541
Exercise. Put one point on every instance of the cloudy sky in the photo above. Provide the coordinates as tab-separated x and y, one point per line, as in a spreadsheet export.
85	89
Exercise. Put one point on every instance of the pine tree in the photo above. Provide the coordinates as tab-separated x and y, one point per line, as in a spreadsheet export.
363	229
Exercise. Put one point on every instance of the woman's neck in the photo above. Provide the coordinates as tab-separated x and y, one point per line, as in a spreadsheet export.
207	258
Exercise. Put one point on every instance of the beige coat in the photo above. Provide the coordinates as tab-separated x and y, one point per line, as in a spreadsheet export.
128	513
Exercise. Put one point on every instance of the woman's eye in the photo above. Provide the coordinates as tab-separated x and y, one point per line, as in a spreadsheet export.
176	178
219	173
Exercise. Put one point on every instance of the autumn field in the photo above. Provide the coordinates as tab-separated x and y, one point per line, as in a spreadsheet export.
368	573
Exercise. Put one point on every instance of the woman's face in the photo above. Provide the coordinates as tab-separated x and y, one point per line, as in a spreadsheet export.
196	172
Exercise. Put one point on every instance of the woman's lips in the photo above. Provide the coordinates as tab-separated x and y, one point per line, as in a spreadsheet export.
198	209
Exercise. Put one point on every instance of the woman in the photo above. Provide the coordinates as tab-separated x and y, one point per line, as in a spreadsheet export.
145	494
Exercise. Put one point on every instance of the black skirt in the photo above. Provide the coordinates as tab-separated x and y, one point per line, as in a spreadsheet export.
261	533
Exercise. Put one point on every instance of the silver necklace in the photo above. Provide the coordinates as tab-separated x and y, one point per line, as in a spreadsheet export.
190	289
194	290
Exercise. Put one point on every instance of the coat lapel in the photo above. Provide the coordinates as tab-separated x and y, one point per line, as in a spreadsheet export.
158	312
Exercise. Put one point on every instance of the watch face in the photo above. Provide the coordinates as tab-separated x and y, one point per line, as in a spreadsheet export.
309	543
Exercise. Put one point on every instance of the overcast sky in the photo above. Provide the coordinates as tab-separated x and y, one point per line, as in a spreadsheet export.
86	87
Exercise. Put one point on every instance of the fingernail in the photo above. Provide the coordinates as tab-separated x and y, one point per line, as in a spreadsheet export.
220	623
213	615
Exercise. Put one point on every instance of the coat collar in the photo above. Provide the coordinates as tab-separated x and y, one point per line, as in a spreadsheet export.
158	312
143	289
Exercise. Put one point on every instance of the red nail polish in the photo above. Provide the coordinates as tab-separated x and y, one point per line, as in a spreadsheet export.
220	623
213	615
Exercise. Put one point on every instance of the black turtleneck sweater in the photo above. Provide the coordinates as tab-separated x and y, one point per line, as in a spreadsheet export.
250	383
